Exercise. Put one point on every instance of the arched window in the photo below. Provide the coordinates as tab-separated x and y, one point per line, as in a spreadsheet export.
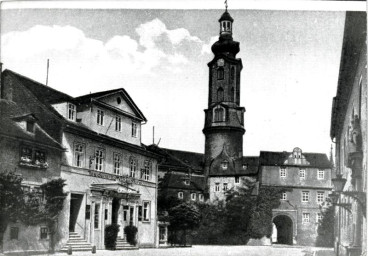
219	114
220	73
232	73
220	94
232	94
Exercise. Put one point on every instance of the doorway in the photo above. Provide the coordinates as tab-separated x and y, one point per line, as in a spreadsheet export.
115	210
75	205
284	228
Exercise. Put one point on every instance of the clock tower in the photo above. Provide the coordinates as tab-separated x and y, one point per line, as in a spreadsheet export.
224	117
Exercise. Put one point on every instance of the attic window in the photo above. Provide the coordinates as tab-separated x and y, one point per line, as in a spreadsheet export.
71	111
118	100
30	126
224	165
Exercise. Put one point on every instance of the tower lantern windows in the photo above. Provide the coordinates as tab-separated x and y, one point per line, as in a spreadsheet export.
225	26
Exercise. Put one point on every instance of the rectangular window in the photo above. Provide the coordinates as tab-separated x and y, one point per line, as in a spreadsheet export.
306	218
100	117
283	196
321	174
320	196
43	233
79	155
302	173
30	126
145	172
40	157
71	111
237	180
132	167
193	196
99	159
117	164
225	188
282	172
305	196
319	217
88	212
97	215
14	233
201	197
140	210
146	211
118	123
180	195
217	187
106	214
134	129
26	155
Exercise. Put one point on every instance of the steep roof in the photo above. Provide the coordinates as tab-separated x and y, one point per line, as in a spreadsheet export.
270	158
179	160
176	180
11	115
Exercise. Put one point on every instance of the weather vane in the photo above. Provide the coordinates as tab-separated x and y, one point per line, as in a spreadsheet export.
226	5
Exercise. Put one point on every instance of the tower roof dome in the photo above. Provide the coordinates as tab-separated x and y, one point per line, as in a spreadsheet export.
226	16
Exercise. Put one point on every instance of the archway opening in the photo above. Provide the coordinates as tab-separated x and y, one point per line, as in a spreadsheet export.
284	229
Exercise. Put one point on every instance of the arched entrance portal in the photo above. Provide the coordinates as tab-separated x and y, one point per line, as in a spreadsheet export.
284	227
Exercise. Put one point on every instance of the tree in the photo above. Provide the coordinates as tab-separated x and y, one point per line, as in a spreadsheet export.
11	200
184	217
53	204
326	227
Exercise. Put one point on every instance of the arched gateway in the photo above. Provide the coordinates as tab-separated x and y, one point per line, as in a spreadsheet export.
284	228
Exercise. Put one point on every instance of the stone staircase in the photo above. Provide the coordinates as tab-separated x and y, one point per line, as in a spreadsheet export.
77	243
122	244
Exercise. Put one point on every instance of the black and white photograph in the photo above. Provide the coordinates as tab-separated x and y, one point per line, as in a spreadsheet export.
188	128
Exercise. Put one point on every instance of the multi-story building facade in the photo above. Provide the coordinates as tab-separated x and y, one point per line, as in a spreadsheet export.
349	132
306	177
111	177
29	151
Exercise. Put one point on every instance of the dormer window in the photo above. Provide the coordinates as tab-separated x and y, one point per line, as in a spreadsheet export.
30	126
225	165
71	111
186	182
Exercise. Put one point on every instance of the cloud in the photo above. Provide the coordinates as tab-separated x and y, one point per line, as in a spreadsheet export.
206	48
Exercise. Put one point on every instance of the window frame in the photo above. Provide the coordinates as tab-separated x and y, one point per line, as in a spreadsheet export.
217	187
225	186
80	154
283	172
193	196
118	123
30	126
237	179
320	196
71	111
134	129
305	196
96	217
42	234
220	73
133	166
180	195
146	211
302	174
100	117
305	217
201	197
99	166
118	163
320	171
283	196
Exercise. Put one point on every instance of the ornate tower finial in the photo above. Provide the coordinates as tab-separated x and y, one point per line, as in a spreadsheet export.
225	5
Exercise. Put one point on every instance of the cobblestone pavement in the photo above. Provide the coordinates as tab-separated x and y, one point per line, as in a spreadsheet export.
197	250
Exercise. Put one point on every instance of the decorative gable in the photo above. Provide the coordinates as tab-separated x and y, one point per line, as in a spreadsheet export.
296	158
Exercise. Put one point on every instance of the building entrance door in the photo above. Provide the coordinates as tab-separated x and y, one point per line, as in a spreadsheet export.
284	227
75	205
115	210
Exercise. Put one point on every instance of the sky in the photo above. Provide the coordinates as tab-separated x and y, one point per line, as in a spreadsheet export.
290	66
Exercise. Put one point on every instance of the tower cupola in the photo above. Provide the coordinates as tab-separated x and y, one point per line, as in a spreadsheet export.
226	23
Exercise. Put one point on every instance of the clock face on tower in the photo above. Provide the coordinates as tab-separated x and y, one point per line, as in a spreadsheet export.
220	62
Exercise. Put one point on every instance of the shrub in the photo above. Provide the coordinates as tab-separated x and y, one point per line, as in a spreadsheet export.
111	234
130	232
